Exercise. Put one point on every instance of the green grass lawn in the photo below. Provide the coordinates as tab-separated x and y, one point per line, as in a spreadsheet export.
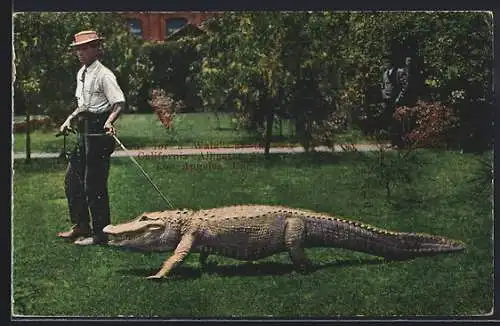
190	129
52	277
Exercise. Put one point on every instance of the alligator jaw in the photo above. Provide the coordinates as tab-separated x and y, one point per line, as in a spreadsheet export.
129	234
117	238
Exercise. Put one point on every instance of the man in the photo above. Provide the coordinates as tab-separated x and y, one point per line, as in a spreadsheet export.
391	87
391	95
411	83
100	101
404	79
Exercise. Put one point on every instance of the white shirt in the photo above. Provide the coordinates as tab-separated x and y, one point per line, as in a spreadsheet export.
99	90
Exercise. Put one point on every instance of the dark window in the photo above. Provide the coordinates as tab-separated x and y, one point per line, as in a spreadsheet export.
174	24
135	26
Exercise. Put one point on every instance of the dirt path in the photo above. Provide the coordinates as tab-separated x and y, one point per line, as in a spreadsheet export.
237	149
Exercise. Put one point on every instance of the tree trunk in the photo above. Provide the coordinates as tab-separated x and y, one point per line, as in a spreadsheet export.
310	134
217	117
299	126
269	130
28	138
307	134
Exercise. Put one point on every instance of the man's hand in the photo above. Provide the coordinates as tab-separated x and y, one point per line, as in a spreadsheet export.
65	126
115	112
110	130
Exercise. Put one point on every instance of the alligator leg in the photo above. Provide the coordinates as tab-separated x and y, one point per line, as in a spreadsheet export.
183	248
294	240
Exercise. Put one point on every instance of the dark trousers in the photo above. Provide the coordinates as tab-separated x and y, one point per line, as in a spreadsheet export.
86	180
394	127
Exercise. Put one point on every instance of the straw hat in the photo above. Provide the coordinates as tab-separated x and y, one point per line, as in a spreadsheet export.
85	37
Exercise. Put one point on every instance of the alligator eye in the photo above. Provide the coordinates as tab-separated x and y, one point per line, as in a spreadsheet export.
143	218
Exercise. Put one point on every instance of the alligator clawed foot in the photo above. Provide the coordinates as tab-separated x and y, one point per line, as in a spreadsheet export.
154	277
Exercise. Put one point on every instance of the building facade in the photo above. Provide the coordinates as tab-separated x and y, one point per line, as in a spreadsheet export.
158	26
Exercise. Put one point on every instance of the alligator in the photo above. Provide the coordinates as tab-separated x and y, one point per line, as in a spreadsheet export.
252	232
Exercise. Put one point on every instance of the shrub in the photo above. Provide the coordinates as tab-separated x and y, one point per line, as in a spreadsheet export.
35	124
426	125
324	132
475	128
164	106
390	167
369	119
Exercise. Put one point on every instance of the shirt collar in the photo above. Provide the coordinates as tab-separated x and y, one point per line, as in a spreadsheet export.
92	66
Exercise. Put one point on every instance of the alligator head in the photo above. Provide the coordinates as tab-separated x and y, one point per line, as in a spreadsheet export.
150	231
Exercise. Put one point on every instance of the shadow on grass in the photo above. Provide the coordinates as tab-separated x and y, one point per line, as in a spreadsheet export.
300	160
259	160
231	129
173	140
41	165
245	269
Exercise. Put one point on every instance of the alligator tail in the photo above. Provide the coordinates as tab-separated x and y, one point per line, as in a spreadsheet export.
353	235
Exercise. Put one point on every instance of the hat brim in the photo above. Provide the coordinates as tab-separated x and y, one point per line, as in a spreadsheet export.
86	41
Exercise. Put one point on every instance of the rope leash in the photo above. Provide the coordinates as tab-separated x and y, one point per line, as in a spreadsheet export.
65	133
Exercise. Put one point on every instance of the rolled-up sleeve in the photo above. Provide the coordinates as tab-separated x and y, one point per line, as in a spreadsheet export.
112	90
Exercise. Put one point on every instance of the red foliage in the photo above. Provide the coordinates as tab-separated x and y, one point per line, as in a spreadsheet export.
165	117
164	107
426	124
35	124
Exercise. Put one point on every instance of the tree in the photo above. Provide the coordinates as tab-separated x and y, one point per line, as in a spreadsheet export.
171	69
46	66
271	64
452	49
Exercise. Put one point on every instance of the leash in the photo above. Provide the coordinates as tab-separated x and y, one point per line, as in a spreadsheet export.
65	133
143	172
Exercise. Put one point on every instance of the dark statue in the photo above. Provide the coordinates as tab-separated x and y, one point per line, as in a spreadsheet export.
400	87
